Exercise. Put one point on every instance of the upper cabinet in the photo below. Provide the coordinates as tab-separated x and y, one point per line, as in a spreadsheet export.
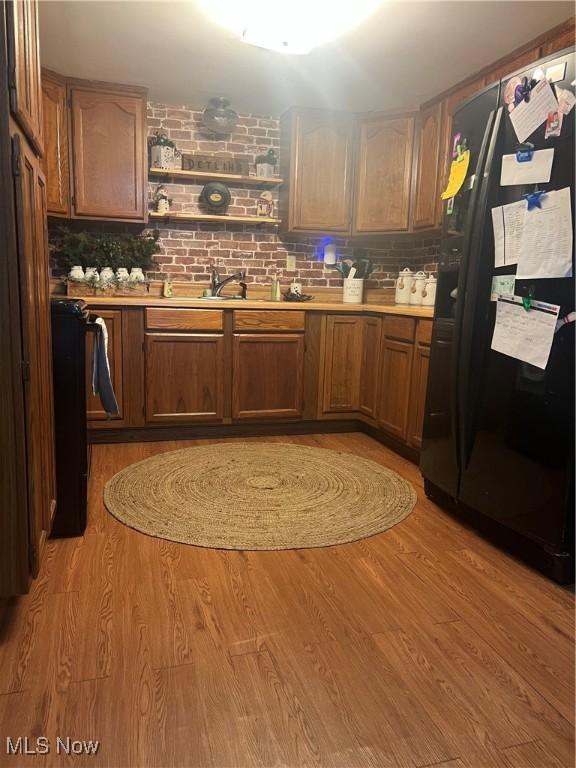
316	157
427	194
109	153
55	165
384	173
96	154
24	69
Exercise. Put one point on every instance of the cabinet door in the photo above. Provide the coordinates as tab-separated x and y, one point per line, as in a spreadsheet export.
24	69
37	352
418	395
451	104
109	154
94	410
371	343
184	377
267	376
384	173
395	377
427	186
321	172
564	38
342	361
55	164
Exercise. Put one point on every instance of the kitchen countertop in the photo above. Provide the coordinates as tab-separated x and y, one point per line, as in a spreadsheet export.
309	306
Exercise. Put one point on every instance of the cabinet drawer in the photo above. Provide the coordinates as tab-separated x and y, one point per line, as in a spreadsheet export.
173	319
269	320
401	328
424	332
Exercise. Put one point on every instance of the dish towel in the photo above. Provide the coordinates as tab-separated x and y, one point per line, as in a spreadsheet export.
101	381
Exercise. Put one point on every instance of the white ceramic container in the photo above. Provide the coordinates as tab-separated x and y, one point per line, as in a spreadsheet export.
353	292
403	286
429	292
136	275
416	289
106	275
76	273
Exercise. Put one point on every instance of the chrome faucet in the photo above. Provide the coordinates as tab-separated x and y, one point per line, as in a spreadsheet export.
216	284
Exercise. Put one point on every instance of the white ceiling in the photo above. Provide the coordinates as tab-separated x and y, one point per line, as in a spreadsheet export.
406	53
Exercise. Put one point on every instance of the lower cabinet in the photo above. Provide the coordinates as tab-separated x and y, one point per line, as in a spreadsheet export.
418	395
342	363
395	374
370	375
267	376
184	375
94	410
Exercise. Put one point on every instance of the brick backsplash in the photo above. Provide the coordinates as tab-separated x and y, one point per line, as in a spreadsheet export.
189	250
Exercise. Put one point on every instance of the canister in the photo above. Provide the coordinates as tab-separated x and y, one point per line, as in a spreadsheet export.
429	292
416	289
403	286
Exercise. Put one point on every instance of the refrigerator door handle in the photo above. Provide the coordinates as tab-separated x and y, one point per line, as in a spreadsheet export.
471	324
462	280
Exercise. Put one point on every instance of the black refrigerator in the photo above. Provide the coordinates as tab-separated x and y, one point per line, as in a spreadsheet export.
498	439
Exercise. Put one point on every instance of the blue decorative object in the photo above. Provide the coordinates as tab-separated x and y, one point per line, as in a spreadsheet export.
534	199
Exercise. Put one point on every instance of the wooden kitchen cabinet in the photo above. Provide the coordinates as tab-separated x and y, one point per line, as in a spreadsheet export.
419	383
383	175
56	147
267	375
369	374
94	410
395	376
184	375
342	363
109	153
32	246
317	162
24	69
428	190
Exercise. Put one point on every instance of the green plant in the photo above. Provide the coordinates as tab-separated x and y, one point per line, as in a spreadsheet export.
92	250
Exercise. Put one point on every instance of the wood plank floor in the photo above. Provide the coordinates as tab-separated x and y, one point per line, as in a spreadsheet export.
423	646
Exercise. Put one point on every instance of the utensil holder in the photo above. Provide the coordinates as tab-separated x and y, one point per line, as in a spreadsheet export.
353	292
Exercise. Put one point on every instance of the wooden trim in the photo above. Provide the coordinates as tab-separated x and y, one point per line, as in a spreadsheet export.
210	432
230	178
221	218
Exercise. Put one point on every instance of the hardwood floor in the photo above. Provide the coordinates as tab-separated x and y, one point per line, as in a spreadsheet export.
423	646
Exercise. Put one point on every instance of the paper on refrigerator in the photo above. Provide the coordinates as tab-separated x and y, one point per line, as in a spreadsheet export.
529	115
539	241
526	335
546	241
534	171
508	223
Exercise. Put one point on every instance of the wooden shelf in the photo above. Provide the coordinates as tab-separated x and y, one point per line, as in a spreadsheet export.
210	176
223	219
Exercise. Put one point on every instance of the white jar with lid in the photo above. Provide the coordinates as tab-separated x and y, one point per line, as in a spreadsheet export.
418	282
106	275
403	286
429	292
136	275
76	273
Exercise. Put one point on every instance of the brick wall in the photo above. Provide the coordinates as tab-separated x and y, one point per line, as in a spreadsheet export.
425	254
189	250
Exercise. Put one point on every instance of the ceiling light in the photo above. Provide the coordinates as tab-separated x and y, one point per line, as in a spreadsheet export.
289	26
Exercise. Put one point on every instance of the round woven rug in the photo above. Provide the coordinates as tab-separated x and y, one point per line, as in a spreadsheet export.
259	496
